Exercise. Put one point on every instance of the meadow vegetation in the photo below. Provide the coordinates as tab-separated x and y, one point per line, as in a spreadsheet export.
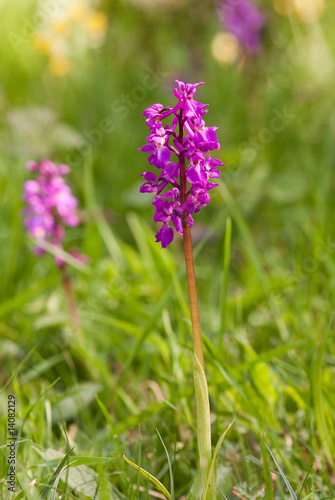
264	255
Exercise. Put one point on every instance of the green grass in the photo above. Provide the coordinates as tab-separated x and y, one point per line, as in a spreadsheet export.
265	267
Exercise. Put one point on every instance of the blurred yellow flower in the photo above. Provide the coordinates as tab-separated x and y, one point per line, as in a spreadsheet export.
60	27
96	23
69	32
42	43
78	12
225	48
59	66
308	11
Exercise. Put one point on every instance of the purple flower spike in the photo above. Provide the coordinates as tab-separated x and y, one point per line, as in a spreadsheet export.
244	20
188	185
50	205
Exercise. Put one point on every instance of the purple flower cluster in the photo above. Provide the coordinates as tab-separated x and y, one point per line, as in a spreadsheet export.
187	186
244	20
50	205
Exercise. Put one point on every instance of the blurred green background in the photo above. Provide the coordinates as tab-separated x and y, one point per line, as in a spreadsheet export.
75	77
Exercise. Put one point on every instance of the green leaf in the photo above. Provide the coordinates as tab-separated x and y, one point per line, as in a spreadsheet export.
53	482
195	493
52	495
81	478
75	461
203	421
158	485
210	492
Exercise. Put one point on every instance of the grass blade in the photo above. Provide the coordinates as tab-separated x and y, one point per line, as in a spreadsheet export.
289	487
55	476
157	484
170	468
224	284
76	461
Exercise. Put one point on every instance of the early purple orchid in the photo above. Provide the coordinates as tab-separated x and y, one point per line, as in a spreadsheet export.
193	141
244	20
50	206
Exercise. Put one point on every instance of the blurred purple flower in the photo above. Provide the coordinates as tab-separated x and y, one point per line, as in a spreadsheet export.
191	142
50	205
244	20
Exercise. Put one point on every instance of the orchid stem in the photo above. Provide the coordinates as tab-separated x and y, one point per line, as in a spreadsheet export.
71	301
192	294
200	382
190	275
81	344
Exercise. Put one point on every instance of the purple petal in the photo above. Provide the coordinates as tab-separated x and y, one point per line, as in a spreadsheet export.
147	148
178	225
31	187
145	188
195	175
153	111
165	236
150	177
